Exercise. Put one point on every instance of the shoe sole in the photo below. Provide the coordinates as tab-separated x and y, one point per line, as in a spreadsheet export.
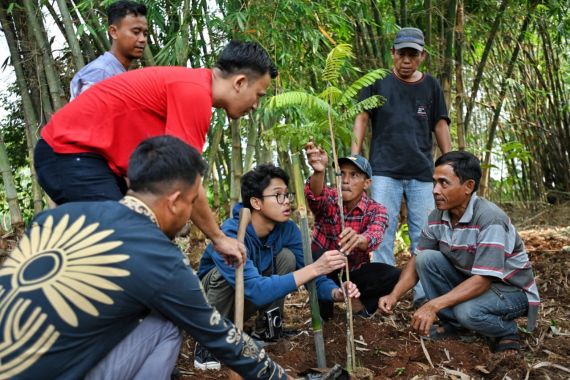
207	365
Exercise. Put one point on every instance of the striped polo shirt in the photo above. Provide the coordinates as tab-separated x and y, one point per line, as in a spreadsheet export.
484	243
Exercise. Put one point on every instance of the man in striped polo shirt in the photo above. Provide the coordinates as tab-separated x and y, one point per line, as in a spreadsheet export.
471	261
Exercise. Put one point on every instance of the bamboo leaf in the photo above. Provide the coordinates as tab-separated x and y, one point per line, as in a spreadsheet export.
300	99
365	105
331	95
335	60
364	81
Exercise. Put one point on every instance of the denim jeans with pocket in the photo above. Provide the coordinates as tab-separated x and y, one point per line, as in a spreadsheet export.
419	201
491	314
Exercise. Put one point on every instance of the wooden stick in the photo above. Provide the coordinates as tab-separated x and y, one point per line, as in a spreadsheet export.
244	220
308	258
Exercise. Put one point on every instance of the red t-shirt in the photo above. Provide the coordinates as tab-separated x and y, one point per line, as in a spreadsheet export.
115	115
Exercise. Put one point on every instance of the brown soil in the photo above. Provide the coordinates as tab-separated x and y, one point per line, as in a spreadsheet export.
389	349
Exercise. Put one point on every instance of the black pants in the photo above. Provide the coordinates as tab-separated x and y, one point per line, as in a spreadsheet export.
374	280
76	177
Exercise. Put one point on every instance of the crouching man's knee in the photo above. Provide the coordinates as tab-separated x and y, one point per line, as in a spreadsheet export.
285	262
429	259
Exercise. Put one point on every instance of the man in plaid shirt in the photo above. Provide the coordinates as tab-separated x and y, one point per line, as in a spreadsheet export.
365	221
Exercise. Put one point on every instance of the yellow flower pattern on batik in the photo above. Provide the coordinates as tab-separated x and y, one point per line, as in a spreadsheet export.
71	265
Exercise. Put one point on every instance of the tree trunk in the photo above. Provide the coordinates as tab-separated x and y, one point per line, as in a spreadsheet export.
484	185
182	41
427	33
403	14
481	66
57	94
70	34
251	144
448	55
237	168
30	117
214	147
10	188
459	91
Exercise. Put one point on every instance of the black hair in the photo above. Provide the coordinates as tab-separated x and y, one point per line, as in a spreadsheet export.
465	165
255	181
159	162
247	58
120	9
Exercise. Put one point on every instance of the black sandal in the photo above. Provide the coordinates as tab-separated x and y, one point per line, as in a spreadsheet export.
507	343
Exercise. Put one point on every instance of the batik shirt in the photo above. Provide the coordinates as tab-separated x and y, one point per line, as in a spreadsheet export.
368	218
484	243
83	276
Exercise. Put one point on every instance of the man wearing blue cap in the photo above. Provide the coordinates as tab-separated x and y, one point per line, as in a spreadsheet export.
365	222
400	149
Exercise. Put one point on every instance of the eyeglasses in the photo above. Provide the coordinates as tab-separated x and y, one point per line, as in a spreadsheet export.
280	197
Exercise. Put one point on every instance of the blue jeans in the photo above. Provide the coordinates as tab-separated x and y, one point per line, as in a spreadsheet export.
419	200
491	314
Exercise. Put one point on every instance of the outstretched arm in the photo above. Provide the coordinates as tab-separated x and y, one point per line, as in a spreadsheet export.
318	160
231	249
408	278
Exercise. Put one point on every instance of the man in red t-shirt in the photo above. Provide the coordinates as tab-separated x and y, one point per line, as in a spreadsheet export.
84	151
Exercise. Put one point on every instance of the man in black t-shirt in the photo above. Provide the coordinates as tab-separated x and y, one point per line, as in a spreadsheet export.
400	150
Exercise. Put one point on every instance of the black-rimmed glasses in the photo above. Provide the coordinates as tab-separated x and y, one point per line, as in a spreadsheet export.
280	197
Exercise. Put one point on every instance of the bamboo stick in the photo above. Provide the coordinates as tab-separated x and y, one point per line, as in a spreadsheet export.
308	256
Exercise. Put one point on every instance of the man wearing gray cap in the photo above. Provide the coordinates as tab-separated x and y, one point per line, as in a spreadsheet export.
400	149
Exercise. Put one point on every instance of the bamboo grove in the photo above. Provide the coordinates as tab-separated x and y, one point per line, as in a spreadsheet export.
504	67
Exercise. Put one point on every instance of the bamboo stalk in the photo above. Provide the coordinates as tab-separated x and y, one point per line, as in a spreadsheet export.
237	168
350	352
308	256
244	220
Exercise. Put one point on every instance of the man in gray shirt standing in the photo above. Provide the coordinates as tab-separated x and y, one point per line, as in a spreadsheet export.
128	30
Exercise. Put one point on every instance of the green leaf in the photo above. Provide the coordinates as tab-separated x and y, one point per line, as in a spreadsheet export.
335	60
299	99
365	105
364	81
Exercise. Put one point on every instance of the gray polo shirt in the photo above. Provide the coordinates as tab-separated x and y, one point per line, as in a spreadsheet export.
484	243
105	66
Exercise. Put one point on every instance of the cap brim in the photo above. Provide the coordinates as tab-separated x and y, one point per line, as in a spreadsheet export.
346	159
412	45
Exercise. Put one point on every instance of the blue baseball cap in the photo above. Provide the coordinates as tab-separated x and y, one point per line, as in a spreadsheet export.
360	162
409	38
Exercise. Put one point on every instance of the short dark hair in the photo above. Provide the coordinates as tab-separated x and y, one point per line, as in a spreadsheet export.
255	181
246	58
120	9
465	165
159	162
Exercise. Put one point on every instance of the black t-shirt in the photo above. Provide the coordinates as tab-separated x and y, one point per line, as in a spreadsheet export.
402	127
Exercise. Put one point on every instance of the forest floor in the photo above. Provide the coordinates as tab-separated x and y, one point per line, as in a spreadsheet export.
390	349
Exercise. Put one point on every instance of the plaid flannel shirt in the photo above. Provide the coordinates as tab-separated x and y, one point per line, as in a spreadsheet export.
368	218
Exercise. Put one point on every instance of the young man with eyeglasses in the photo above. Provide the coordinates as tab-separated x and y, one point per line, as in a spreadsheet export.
401	144
364	224
274	266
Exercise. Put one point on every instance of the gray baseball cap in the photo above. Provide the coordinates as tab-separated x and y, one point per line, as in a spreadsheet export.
409	38
360	162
